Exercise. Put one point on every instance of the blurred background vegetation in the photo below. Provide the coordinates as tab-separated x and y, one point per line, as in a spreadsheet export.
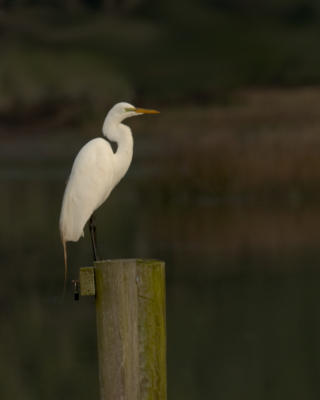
87	54
224	186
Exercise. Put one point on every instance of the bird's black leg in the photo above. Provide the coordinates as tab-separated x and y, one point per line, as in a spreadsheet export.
93	235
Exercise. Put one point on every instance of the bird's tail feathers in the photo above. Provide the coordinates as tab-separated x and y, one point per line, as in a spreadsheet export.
64	244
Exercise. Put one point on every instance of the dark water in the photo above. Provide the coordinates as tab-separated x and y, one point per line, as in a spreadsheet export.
242	291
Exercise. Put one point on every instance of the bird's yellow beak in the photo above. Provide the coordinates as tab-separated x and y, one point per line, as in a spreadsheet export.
146	111
143	110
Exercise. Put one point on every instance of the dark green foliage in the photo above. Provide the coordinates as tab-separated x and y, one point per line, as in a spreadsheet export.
91	54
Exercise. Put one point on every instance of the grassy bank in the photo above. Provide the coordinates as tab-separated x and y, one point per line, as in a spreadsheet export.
266	142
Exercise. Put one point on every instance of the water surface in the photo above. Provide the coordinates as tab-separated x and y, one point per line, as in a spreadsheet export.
242	288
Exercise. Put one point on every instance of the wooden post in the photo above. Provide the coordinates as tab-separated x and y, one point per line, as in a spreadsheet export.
130	308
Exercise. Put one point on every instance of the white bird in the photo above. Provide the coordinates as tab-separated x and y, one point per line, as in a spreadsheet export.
95	172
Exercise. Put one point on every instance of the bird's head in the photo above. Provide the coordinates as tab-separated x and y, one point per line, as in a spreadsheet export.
124	110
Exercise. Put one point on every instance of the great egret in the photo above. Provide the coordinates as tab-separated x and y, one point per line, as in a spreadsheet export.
95	172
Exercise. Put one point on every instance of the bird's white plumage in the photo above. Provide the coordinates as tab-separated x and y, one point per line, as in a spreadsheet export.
96	171
90	183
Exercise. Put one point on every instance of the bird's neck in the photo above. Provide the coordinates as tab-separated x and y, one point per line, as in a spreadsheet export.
122	135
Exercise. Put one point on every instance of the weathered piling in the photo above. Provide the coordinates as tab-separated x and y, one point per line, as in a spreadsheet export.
131	331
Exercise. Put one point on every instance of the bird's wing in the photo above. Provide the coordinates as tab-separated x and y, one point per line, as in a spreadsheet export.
89	184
